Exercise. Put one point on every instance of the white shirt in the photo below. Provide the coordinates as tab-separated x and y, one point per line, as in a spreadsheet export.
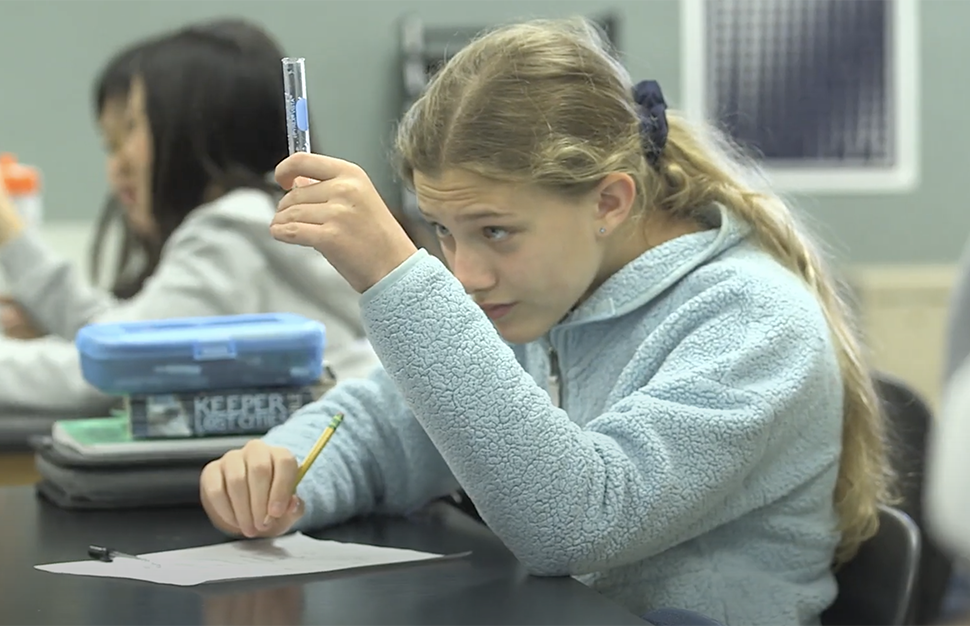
948	468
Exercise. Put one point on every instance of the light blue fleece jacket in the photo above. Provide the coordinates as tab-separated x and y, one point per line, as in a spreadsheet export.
692	463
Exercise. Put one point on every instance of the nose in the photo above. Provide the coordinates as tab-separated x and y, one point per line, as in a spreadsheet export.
471	270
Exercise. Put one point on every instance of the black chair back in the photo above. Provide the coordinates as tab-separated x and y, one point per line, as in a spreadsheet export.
910	421
878	586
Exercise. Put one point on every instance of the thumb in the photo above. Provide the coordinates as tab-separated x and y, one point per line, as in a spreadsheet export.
293	514
303	181
307	165
296	510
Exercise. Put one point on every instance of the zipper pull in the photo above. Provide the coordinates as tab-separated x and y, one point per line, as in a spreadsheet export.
552	383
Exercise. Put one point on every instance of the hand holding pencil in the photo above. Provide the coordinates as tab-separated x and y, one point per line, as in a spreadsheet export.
252	491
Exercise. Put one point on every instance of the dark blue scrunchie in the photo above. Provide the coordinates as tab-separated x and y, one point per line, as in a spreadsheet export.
653	118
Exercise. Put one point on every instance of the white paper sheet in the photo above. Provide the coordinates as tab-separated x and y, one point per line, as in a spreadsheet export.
255	558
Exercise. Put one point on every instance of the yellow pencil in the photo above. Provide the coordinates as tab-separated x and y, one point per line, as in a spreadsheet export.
318	447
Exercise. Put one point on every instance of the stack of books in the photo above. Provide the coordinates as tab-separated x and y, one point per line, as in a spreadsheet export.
215	413
178	412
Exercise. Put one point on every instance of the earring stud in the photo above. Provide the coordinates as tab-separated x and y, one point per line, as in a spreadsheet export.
602	231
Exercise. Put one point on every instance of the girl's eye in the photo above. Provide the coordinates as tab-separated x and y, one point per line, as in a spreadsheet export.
440	230
496	234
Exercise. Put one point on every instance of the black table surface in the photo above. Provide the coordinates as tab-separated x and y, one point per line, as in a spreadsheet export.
17	429
486	587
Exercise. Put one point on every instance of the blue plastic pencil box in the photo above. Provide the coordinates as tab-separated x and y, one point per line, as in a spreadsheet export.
202	353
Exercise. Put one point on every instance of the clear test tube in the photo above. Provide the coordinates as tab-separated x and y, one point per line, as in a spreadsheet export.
297	114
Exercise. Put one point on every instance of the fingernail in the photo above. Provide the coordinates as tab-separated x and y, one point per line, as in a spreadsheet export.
266	523
295	505
276	510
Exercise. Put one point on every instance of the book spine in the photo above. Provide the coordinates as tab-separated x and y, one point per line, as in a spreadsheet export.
209	414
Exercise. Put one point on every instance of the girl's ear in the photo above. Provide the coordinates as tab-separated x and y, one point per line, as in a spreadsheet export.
615	197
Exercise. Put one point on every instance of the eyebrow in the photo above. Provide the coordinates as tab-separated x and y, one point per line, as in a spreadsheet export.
471	216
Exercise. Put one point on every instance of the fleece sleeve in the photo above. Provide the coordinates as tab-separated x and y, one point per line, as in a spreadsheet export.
379	461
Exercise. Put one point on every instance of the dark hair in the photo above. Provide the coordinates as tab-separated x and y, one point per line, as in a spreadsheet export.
113	83
115	77
214	101
215	106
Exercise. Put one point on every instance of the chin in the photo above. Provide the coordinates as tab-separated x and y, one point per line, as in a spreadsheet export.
519	334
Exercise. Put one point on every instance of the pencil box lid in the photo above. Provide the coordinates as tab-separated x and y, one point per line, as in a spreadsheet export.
199	353
222	337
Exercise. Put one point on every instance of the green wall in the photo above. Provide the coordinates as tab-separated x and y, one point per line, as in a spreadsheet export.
51	51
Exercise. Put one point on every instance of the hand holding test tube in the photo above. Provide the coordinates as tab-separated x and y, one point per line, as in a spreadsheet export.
343	217
297	113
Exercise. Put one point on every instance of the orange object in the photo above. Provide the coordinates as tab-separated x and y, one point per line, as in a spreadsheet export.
19	179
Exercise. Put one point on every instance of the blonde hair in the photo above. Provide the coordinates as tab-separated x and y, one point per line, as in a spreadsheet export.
546	102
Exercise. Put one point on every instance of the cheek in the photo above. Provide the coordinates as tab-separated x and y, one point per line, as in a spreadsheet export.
113	169
552	270
573	261
143	153
137	150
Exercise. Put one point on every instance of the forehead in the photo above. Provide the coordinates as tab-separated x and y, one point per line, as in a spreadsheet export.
464	194
458	187
113	111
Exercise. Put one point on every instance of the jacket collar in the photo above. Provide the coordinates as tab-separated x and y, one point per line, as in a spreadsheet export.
646	277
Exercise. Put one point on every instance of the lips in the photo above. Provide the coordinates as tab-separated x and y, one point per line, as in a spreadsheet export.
496	311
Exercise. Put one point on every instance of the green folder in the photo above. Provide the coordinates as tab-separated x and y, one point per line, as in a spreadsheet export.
110	438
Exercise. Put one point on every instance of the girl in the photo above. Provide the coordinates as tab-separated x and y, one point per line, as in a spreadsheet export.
110	103
683	418
204	126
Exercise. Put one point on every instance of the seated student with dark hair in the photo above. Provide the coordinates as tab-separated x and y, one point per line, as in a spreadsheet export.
204	127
